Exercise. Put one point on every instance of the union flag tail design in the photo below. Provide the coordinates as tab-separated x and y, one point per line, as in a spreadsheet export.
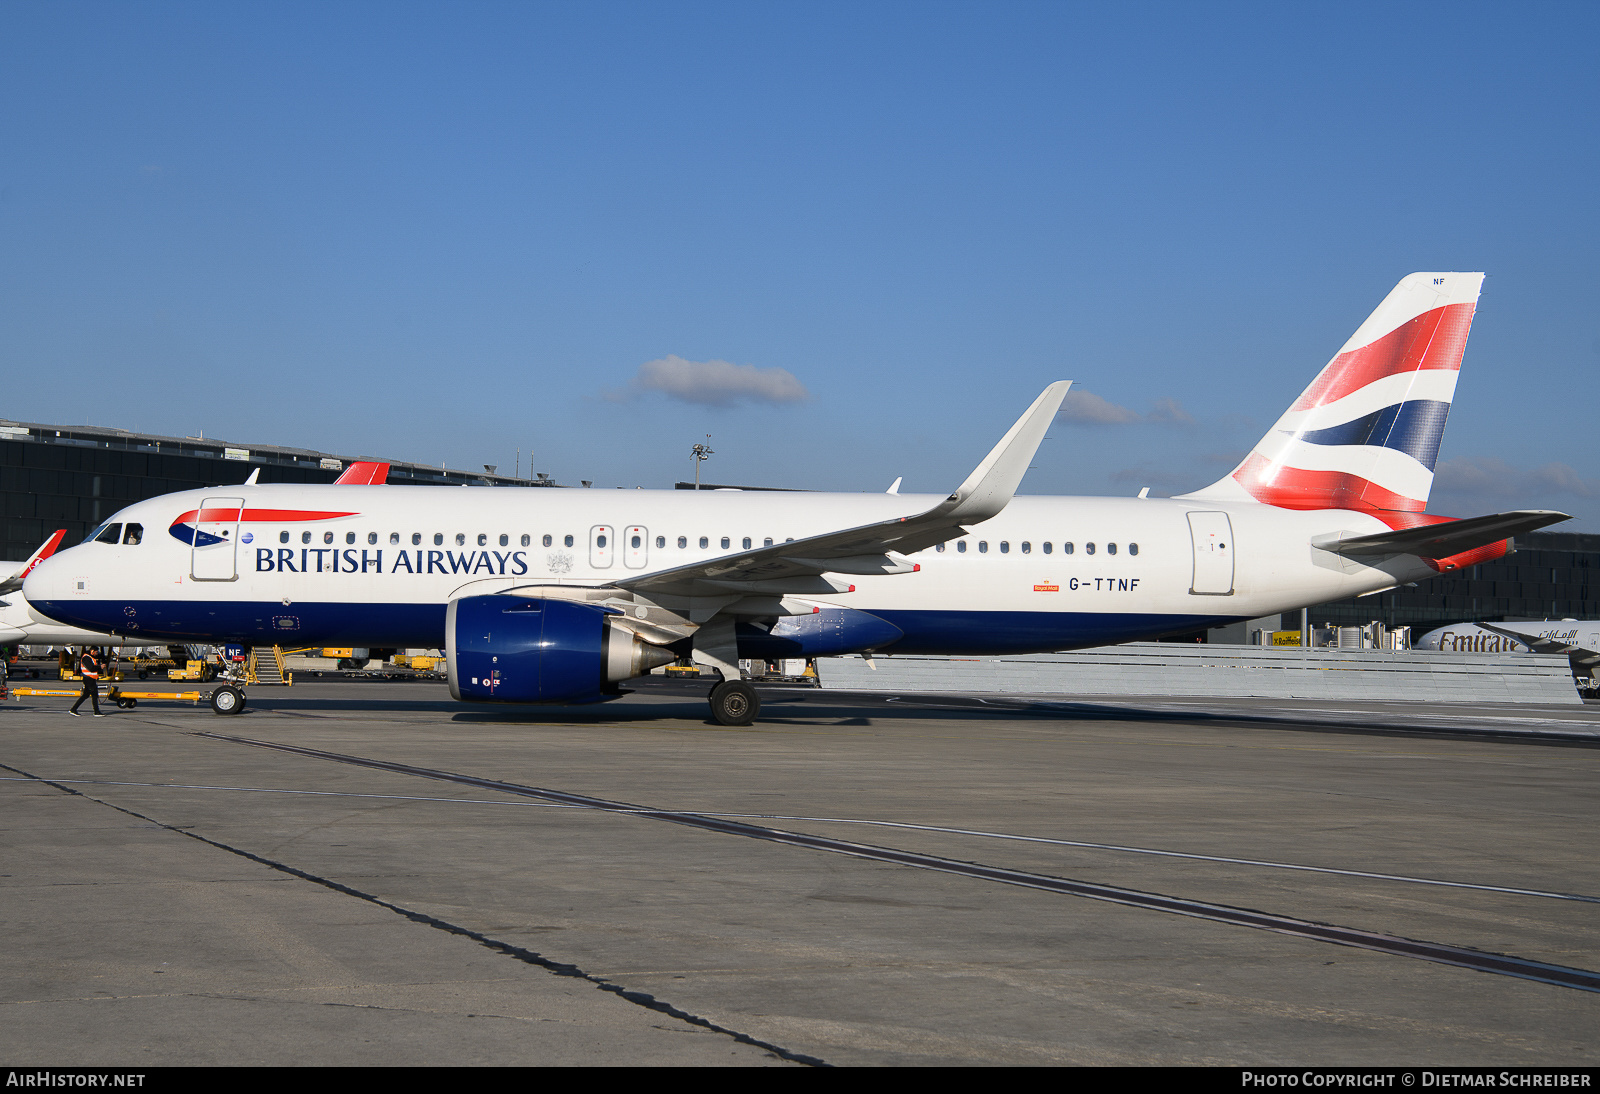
1365	435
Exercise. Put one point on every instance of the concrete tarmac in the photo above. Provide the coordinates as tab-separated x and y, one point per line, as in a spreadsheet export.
174	891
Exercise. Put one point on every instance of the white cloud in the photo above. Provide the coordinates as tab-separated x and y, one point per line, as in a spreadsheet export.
712	383
1490	477
1170	410
1087	408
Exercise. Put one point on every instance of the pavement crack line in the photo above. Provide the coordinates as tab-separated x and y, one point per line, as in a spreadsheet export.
1438	952
1510	890
527	956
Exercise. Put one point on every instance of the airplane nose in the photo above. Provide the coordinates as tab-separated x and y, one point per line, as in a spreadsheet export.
44	581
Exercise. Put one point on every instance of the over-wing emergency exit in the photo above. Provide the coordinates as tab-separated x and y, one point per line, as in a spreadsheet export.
560	596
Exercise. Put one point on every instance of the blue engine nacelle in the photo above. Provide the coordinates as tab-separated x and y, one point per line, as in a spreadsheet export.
529	649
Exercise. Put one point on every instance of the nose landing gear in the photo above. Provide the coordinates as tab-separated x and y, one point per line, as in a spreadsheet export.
227	700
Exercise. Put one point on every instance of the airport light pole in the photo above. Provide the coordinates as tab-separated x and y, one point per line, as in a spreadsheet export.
701	453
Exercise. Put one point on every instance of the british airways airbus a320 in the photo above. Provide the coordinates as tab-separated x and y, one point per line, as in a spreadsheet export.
559	596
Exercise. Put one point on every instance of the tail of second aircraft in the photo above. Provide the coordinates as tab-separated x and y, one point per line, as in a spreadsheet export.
1365	435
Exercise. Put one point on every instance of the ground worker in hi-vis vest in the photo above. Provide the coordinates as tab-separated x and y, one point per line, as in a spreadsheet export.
89	667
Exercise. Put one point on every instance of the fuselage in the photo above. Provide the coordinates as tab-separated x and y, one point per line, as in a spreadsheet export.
1471	638
376	566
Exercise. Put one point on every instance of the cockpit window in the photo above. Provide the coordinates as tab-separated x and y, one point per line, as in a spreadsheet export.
133	535
112	533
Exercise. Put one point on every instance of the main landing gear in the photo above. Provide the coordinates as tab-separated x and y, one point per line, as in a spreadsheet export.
734	703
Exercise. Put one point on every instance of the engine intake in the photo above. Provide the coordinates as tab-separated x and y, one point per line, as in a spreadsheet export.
529	649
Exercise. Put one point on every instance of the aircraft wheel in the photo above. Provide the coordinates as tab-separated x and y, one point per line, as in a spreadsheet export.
734	703
227	700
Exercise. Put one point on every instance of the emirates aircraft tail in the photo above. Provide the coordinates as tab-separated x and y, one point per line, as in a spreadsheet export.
1365	435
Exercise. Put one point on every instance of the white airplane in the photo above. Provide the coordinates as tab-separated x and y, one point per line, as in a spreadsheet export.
560	595
1579	639
20	625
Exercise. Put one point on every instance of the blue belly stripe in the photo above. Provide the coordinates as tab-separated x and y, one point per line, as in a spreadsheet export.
403	626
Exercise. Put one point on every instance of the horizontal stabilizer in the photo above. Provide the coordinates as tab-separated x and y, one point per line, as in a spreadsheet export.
1450	537
1543	644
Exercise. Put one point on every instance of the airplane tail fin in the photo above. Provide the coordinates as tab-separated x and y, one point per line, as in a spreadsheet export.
1365	435
364	473
46	549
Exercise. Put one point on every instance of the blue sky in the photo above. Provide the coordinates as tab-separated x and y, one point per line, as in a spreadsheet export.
443	232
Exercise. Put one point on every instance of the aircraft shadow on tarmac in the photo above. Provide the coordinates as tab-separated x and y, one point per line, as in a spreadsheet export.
675	701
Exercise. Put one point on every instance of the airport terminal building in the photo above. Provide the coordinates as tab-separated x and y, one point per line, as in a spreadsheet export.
1551	575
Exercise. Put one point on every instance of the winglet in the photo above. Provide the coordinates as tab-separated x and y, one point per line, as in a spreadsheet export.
993	483
364	473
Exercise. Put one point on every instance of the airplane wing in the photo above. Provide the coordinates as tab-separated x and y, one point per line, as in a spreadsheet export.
797	567
1540	644
364	473
1450	537
14	582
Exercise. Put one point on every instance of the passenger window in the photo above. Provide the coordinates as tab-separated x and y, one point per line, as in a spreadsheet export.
483	540
526	539
327	537
746	543
635	543
305	537
461	539
726	543
1111	548
133	535
438	539
600	541
394	539
961	547
567	540
1046	546
372	537
1027	548
349	537
661	541
283	537
704	543
1066	548
547	541
983	546
1133	548
939	547
1005	546
111	534
683	541
1088	548
767	542
416	539
505	540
